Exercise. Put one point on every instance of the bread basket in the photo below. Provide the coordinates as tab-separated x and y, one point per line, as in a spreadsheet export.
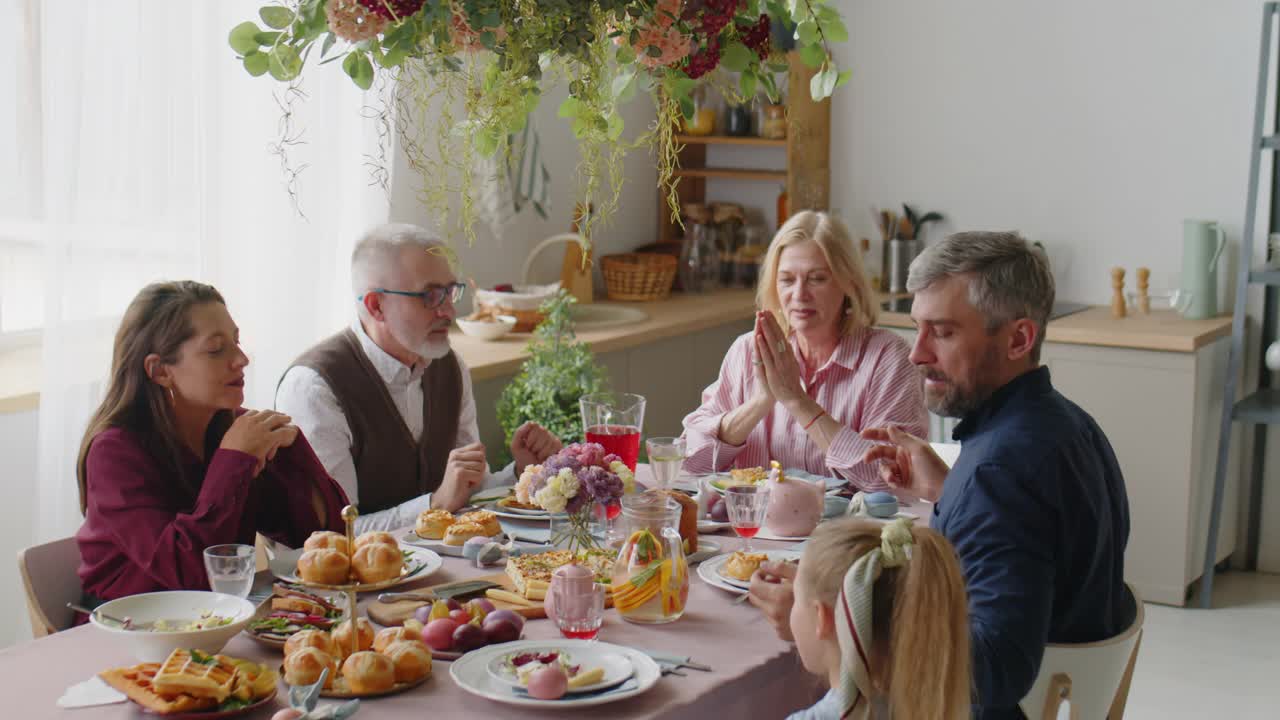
638	276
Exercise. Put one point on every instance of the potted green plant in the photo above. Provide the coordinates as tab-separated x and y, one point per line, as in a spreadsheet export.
558	372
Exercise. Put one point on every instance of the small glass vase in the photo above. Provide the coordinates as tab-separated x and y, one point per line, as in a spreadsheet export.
586	529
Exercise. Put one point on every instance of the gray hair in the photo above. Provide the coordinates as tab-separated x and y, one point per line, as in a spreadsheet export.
1009	277
378	252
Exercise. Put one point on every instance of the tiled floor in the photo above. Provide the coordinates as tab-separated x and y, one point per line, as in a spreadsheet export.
1220	664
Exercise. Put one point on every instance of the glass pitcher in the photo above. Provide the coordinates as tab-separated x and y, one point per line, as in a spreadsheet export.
651	575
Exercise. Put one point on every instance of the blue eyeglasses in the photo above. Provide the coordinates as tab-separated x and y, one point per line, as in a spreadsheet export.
433	297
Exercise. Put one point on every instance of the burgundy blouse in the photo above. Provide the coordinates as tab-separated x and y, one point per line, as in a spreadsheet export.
140	534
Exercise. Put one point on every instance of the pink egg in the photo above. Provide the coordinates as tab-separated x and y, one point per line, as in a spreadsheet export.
287	714
549	683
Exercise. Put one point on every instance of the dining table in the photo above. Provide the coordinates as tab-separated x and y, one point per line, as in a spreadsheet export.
753	673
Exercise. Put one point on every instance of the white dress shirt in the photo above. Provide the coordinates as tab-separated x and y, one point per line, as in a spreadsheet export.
308	399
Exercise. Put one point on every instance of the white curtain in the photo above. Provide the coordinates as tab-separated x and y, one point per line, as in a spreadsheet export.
155	163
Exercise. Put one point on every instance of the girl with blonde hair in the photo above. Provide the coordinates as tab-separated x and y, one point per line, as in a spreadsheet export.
880	611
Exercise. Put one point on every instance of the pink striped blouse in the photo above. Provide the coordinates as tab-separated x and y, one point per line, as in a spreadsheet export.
868	382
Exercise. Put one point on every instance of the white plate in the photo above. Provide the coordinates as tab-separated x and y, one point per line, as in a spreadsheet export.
709	570
617	668
832	484
471	673
421	563
709	526
706	548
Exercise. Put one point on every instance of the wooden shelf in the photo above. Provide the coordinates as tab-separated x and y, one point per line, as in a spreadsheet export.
735	173
730	140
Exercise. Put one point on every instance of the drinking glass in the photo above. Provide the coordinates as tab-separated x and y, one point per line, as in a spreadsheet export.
579	614
230	568
666	454
614	420
747	505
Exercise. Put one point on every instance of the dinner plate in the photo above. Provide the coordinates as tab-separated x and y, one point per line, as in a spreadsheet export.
420	563
617	668
833	484
707	548
471	673
213	714
706	525
709	570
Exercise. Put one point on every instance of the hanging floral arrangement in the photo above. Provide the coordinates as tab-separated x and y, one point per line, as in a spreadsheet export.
475	68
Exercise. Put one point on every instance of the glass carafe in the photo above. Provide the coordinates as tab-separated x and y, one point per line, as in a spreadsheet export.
651	575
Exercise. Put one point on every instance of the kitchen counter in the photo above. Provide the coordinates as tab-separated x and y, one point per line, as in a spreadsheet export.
682	314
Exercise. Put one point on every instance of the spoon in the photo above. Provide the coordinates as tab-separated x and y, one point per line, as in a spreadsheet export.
126	623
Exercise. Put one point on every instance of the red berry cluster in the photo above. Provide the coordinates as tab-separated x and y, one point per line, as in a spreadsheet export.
714	14
704	61
393	9
756	36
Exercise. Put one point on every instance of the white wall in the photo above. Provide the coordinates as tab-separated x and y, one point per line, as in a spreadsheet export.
1094	126
492	260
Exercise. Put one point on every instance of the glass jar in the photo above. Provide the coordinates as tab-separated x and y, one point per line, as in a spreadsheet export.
773	123
703	121
728	219
651	574
699	255
751	255
737	120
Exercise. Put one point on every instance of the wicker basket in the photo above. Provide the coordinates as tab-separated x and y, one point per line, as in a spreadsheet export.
638	276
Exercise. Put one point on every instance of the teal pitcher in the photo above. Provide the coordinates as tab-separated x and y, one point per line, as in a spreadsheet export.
1202	244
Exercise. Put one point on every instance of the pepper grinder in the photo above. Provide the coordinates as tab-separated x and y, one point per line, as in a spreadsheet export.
1117	294
1144	302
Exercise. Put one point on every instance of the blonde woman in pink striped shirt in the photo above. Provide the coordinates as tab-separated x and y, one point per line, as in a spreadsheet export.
814	373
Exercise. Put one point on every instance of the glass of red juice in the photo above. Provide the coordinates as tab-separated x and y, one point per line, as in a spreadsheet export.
614	421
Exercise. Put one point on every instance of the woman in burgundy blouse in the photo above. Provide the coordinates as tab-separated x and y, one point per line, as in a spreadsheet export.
814	373
171	464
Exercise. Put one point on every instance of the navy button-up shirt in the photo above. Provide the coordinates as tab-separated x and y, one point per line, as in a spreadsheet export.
1036	508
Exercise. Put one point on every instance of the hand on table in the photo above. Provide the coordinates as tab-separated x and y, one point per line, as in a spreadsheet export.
908	463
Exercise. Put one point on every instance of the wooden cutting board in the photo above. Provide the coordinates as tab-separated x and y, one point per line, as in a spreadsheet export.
395	613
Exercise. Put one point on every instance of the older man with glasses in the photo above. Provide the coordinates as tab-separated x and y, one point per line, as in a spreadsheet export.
386	403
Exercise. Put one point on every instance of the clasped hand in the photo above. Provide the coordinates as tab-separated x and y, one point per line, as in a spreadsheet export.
777	372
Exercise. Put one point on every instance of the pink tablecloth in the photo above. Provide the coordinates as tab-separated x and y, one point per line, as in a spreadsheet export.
755	674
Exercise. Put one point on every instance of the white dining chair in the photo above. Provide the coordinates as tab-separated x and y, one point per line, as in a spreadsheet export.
50	581
1086	680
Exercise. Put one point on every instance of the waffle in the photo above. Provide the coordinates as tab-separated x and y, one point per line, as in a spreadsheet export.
197	674
137	683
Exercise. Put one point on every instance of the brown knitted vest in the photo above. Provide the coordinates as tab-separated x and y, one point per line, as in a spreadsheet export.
391	467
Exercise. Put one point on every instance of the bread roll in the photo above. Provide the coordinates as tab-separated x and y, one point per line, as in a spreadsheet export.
324	566
389	635
321	539
460	532
375	536
376	562
303	667
369	672
318	639
412	660
432	524
484	519
342	637
688	519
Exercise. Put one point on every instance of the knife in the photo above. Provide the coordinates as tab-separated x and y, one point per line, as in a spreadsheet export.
676	660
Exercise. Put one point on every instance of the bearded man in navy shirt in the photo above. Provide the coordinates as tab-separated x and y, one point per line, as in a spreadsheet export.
1035	505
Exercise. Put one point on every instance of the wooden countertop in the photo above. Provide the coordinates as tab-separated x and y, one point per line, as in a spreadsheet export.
1162	330
679	314
685	314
